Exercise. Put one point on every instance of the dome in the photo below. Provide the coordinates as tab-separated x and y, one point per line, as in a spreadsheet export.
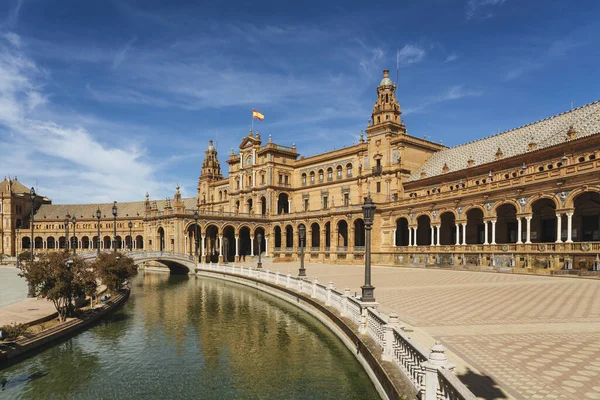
210	146
386	81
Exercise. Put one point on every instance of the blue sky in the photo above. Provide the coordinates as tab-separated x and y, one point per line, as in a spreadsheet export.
104	100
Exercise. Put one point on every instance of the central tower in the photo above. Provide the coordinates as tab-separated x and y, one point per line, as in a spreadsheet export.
385	117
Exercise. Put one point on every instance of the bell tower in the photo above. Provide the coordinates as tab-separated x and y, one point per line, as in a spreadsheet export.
211	169
385	117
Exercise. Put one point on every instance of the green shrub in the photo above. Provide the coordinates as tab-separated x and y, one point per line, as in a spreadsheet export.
13	331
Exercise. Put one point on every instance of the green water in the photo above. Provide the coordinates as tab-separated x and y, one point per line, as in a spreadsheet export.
185	337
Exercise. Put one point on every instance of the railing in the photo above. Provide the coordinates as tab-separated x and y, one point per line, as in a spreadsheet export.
377	170
430	374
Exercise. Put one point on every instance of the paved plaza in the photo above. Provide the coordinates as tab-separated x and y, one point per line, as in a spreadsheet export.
521	336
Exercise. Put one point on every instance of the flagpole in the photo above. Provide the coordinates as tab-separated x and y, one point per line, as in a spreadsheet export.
252	125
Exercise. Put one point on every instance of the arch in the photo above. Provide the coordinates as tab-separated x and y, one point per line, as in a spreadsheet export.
359	232
304	179
85	242
401	238
250	205
339	172
119	242
475	226
342	234
25	242
289	237
586	217
329	173
312	177
474	207
494	209
506	222
95	242
263	205
161	238
194	234
229	243
315	236
321	175
62	242
283	205
277	236
327	235
570	200
38	243
237	206
243	225
424	230
349	170
128	242
543	220
211	243
551	197
51	242
447	228
139	242
105	240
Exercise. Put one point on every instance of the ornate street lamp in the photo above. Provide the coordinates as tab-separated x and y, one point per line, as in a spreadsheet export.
114	211
368	214
302	233
98	216
67	239
130	225
259	238
74	244
196	233
31	291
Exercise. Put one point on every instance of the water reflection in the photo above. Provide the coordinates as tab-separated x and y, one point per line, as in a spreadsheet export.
180	337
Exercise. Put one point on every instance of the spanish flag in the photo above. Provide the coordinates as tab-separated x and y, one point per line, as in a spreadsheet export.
257	115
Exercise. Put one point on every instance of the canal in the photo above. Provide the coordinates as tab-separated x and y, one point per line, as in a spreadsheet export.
186	337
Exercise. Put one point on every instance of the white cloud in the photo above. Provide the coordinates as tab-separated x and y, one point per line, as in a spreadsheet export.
480	8
456	92
410	54
13	38
69	162
122	53
451	57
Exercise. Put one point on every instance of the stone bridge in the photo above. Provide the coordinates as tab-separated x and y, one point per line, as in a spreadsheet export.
177	263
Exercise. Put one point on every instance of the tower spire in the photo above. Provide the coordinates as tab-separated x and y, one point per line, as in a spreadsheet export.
386	111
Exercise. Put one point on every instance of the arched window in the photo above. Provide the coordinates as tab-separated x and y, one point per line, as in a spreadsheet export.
329	174
312	178
349	170
220	195
321	175
339	172
303	179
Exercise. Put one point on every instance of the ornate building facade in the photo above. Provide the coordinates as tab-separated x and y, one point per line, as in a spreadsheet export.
525	197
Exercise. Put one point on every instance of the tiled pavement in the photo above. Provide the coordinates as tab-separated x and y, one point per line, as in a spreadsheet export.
527	337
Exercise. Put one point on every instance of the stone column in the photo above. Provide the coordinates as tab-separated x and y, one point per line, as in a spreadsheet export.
237	246
410	236
266	246
415	235
438	229
519	241
437	359
432	241
569	227
289	206
528	229
252	246
394	238
485	232
203	240
464	231
493	231
558	228
457	234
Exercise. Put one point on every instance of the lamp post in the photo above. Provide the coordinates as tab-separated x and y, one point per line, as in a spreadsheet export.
259	238
98	216
74	243
67	239
114	211
302	233
196	233
130	225
17	244
368	214
31	291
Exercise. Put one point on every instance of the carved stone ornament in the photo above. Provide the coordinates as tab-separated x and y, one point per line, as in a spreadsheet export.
541	247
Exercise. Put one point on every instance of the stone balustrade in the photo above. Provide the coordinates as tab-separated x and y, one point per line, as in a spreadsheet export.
430	373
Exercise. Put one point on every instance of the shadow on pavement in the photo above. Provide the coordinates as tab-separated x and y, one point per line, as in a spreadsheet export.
482	386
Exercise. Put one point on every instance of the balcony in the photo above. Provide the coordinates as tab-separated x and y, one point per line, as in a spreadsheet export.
377	170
